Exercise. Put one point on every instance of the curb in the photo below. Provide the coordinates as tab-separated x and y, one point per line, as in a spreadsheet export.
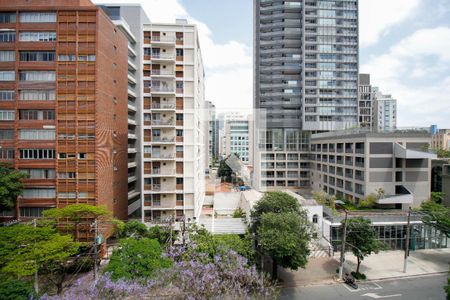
407	276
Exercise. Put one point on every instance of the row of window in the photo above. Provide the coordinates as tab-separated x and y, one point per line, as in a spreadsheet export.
36	134
28	76
28	95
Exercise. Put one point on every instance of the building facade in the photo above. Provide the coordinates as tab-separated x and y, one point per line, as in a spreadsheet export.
305	78
63	86
365	101
173	122
441	140
356	163
238	139
385	112
212	134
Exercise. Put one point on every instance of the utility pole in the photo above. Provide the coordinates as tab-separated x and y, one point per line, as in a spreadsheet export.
36	277
95	225
405	262
344	240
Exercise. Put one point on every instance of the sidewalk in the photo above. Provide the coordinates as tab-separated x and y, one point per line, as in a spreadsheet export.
389	264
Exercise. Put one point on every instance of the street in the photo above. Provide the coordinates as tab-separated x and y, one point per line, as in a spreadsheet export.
417	288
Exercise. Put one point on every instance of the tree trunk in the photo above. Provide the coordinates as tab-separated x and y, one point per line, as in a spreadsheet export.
357	267
59	288
274	270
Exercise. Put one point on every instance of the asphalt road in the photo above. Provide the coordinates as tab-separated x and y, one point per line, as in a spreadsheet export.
417	288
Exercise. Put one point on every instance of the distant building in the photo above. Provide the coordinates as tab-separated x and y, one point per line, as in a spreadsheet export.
440	178
365	101
238	138
212	133
384	112
441	140
355	163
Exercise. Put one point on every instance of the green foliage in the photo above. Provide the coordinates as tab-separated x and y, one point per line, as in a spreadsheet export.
436	215
441	153
224	171
161	234
11	186
285	236
369	202
437	197
136	259
239	213
325	199
133	228
13	289
359	276
362	238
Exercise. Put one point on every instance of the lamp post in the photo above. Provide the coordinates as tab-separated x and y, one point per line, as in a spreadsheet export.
344	238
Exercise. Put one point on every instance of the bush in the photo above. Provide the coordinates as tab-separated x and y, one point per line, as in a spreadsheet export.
239	213
359	276
12	289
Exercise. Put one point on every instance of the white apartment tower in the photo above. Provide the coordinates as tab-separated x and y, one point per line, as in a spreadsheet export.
385	112
238	138
173	122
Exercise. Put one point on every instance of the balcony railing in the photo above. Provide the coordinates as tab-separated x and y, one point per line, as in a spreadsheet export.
167	39
163	72
162	139
163	106
163	89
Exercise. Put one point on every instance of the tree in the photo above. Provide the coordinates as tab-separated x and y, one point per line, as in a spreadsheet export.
25	250
136	259
11	186
224	171
79	213
133	228
437	197
285	237
436	215
362	238
13	289
368	202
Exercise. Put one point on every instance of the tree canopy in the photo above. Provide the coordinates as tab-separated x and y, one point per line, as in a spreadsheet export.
11	186
136	259
361	238
436	215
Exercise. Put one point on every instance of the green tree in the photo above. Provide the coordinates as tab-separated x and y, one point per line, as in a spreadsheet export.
133	228
224	171
11	186
77	214
436	215
361	238
285	237
368	202
13	289
136	259
437	197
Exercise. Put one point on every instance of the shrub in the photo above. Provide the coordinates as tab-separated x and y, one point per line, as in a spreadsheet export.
12	289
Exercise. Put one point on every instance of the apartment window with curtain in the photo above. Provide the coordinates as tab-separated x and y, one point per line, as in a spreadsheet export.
7	115
37	56
7	75
37	17
67	57
37	75
37	95
6	153
7	95
32	212
7	17
36	36
36	134
40	173
6	134
29	114
7	55
39	193
7	36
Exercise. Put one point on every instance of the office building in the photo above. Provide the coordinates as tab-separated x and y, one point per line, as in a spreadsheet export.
173	122
306	78
365	101
238	138
130	19
355	163
384	112
63	108
441	140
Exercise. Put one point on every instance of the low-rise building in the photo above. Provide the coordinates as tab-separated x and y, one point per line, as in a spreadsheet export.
441	140
355	163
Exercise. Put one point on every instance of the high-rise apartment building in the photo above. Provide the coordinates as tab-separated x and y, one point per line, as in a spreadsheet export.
238	136
365	101
63	91
306	78
212	137
441	140
384	112
173	122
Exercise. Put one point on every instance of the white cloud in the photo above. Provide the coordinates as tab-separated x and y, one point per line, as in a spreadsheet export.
228	66
376	17
416	71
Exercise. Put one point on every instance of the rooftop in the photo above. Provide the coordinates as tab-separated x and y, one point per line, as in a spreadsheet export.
365	132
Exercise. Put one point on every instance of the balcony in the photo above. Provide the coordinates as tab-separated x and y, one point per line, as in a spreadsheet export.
163	73
162	90
162	156
162	57
164	106
163	123
162	140
163	40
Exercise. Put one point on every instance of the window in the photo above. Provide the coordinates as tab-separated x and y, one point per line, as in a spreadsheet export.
6	153
67	175
7	36
179	132
37	95
82	155
37	56
39	193
7	75
7	95
37	153
32	212
36	134
179	180
7	115
6	134
37	17
7	55
37	75
179	52
70	195
86	57
8	17
315	219
40	173
37	36
67	57
26	114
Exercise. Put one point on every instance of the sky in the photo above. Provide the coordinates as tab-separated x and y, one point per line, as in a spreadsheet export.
404	45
